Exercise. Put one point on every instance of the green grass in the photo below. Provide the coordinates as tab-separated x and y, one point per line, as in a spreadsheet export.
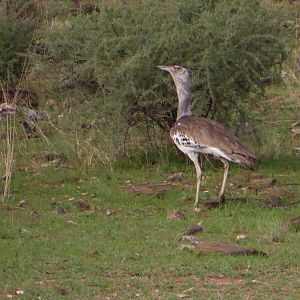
133	252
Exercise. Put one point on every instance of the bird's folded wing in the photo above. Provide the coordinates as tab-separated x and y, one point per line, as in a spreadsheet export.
209	133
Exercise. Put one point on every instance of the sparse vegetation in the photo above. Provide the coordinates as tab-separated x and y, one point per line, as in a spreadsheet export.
121	245
71	225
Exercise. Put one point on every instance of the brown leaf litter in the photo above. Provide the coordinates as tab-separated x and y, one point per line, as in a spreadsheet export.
51	159
198	246
193	229
157	189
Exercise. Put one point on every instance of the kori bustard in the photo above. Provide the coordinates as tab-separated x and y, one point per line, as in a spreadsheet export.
193	135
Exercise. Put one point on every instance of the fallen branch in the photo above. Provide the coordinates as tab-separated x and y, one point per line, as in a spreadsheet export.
221	248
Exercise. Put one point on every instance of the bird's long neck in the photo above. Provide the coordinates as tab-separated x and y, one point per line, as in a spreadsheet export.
183	88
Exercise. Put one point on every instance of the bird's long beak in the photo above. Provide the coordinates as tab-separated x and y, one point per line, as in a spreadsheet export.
165	68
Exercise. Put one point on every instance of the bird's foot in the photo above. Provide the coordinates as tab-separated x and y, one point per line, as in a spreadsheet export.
222	199
197	209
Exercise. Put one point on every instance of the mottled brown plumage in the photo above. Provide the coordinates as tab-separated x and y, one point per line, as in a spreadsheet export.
212	134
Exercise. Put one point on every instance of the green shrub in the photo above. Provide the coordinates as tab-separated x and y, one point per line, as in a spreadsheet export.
109	58
18	22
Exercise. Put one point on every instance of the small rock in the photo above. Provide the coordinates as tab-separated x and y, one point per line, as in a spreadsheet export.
63	291
109	212
72	222
22	203
175	177
60	210
194	229
241	237
176	214
20	292
190	238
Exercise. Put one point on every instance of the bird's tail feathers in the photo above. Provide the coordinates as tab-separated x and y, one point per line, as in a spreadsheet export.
245	162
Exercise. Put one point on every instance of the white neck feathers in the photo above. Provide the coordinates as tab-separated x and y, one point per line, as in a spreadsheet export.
183	88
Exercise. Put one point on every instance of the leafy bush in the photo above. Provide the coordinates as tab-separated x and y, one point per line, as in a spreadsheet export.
18	22
109	58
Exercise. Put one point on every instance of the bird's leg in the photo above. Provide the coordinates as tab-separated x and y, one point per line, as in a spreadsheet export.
198	171
226	169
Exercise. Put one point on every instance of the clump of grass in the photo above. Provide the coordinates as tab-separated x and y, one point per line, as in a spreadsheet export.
278	234
8	156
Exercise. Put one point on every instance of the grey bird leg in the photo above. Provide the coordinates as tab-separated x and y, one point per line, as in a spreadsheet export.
226	169
194	158
198	171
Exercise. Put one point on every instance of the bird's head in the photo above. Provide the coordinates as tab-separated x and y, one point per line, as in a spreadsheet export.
180	75
177	72
182	80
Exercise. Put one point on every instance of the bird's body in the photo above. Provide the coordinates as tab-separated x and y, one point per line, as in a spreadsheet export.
194	136
202	135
